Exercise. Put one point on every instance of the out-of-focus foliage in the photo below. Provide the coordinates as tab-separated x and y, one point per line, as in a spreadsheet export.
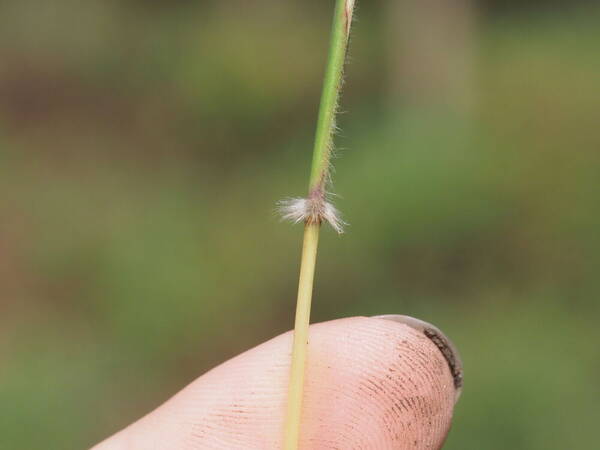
143	146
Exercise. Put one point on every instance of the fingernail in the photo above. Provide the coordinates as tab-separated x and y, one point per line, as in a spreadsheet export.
441	341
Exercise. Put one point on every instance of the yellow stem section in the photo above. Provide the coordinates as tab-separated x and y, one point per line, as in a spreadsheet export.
305	289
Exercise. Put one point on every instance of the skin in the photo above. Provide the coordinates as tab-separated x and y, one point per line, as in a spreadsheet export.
371	383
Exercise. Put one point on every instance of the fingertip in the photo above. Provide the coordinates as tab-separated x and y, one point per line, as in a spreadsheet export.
440	340
371	383
378	384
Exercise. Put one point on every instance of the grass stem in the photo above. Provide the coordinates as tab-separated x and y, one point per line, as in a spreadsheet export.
305	288
332	86
313	211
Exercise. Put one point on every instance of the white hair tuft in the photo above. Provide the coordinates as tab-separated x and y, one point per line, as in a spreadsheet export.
311	210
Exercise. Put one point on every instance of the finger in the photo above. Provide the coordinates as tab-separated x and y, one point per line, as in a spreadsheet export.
371	383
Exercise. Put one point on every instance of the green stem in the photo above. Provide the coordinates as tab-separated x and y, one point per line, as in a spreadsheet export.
318	179
331	90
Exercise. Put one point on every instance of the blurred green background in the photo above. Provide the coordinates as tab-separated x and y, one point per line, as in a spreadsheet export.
144	144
